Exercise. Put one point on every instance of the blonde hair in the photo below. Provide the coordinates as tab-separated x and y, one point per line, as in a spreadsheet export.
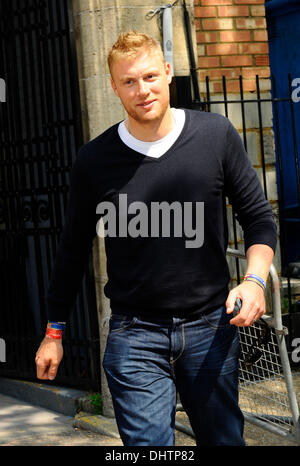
130	43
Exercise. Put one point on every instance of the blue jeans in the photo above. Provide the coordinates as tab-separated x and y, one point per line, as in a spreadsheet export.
147	362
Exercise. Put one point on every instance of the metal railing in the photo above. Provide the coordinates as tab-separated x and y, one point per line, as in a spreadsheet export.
266	390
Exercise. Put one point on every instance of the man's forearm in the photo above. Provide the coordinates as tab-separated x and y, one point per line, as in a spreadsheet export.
259	260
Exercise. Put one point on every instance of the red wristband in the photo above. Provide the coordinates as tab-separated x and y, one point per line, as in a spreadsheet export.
55	334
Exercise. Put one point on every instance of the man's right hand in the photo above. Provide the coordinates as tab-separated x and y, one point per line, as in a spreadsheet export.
48	358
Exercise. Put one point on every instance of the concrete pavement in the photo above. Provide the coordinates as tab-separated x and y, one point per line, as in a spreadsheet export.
34	413
23	424
47	415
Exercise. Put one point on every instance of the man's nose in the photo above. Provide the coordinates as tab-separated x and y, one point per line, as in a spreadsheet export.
142	88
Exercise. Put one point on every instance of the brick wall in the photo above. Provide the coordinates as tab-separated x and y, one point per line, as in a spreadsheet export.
232	41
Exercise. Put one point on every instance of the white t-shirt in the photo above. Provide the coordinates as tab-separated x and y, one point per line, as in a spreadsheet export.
154	148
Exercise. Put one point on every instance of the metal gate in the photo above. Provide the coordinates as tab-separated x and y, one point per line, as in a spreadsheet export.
40	133
267	395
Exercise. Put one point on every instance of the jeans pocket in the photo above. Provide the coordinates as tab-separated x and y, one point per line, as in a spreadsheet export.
119	323
218	319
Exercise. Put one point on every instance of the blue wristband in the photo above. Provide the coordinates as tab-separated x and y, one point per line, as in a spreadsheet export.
57	325
255	278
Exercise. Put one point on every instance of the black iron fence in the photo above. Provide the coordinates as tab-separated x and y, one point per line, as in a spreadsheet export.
40	133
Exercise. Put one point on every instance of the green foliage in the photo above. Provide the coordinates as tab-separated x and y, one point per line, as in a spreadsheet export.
97	402
285	306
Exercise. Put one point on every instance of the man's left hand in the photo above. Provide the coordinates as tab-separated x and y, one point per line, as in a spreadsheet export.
253	303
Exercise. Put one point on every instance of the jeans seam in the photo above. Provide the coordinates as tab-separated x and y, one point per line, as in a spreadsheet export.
216	327
183	344
125	327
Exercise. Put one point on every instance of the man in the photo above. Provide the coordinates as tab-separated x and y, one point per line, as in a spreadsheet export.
171	328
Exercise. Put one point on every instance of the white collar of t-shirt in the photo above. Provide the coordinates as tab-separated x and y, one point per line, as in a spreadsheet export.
155	148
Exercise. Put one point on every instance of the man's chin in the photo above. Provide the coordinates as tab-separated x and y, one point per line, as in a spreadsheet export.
148	117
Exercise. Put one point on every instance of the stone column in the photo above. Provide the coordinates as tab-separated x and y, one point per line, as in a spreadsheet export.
97	25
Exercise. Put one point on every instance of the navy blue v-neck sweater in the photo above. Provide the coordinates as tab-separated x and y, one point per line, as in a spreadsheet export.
158	275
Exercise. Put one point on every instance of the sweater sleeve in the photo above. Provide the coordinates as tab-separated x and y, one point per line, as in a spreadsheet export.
245	193
74	246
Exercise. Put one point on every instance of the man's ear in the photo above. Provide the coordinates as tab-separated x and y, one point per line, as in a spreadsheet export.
168	72
114	87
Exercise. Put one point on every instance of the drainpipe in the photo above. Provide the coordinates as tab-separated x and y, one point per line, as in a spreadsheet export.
167	23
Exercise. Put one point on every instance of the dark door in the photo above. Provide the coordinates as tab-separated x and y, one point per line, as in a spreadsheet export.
283	18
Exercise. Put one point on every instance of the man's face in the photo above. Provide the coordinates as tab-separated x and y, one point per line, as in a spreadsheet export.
142	84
